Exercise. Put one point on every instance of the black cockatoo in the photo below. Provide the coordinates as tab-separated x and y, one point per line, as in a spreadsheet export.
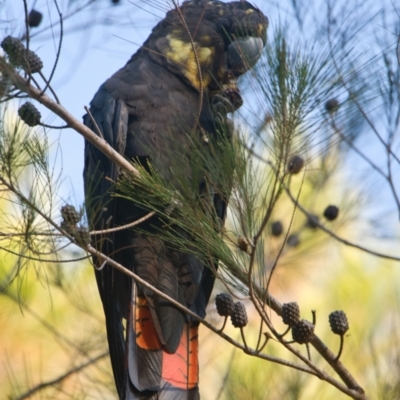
176	87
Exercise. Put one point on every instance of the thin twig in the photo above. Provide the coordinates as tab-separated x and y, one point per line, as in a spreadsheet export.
244	339
62	377
224	323
286	236
94	122
122	227
335	236
11	235
27	38
43	260
398	49
49	86
57	55
340	347
308	351
54	127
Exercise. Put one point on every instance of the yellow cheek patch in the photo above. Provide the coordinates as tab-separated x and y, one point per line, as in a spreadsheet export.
182	53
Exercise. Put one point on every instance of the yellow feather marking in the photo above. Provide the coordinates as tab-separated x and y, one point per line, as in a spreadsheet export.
182	53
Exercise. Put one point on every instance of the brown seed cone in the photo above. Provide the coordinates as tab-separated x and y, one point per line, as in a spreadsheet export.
224	303
35	64
34	18
290	313
332	105
331	213
277	228
29	114
239	315
295	164
70	215
19	56
303	331
14	49
338	322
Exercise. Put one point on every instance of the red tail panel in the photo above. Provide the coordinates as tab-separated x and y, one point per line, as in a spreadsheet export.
181	369
146	335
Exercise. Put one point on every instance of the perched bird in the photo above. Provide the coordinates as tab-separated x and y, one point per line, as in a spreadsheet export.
177	88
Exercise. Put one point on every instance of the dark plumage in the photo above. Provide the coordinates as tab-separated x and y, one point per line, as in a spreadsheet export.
148	111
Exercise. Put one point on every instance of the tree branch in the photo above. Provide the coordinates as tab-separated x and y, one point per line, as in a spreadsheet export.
23	85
